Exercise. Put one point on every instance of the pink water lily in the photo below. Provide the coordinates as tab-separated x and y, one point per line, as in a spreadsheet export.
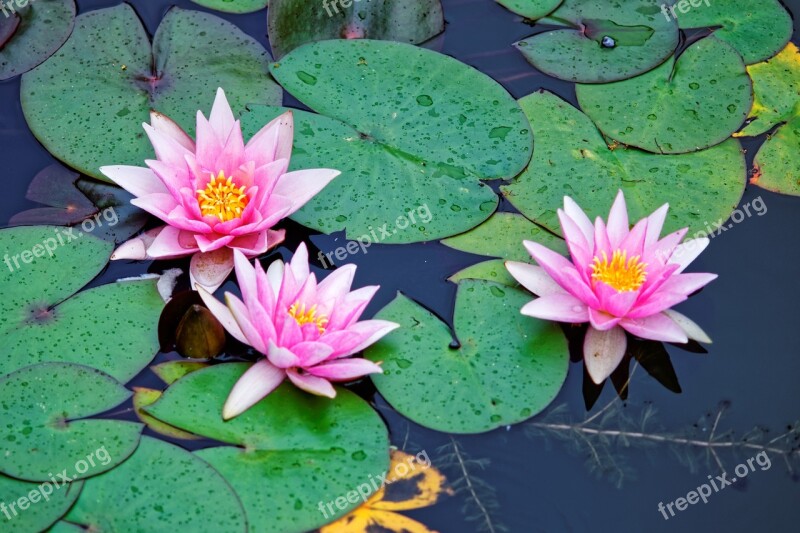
306	330
620	279
216	194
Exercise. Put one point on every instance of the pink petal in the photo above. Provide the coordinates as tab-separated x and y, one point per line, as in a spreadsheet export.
633	243
254	385
210	270
658	327
618	221
267	176
614	302
559	307
312	384
692	330
256	244
136	248
223	314
299	263
302	185
231	157
209	148
558	268
171	243
579	246
246	276
346	369
663	249
603	351
221	118
275	276
601	242
685	253
167	149
655	223
281	357
167	126
534	278
656	303
138	181
368	333
273	141
579	217
212	241
158	204
337	283
312	353
348	309
601	320
687	283
250	330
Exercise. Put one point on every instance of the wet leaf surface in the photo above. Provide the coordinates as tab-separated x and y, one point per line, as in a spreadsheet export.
234	6
531	9
48	510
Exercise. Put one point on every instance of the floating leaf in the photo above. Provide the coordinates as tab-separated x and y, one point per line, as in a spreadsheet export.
683	106
757	29
417	486
776	91
531	9
292	23
142	397
778	160
111	327
235	6
101	209
493	270
604	42
172	371
502	368
410	129
33	34
160	488
42	430
295	450
108	69
199	335
50	503
572	158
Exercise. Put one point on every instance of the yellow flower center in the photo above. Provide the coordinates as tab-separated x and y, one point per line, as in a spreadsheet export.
222	198
303	316
621	273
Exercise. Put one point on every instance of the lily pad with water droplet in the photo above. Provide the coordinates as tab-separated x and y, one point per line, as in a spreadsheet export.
505	367
46	429
33	33
682	106
293	449
161	487
757	29
778	160
46	510
234	6
776	91
292	23
492	270
111	327
572	158
531	9
142	397
643	39
108	69
410	129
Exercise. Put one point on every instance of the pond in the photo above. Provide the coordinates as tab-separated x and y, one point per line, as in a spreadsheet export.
428	149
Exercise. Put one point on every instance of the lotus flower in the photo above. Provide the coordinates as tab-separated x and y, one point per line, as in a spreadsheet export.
307	331
215	195
620	279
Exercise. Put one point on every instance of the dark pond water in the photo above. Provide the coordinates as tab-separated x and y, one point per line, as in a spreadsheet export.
539	484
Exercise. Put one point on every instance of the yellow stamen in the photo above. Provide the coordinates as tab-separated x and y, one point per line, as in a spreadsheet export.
222	198
302	316
621	273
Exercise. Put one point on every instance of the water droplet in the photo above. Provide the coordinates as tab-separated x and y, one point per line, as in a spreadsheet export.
651	116
307	78
608	42
694	85
424	100
359	455
402	363
499	132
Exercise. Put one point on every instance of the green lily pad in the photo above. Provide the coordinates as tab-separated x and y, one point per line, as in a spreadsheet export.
111	327
492	270
676	108
776	91
43	433
172	371
572	159
108	69
292	23
143	397
39	29
234	6
160	488
531	9
408	128
778	160
46	503
757	29
295	449
505	368
637	38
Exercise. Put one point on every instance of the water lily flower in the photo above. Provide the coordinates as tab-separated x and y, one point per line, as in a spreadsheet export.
620	279
306	330
216	194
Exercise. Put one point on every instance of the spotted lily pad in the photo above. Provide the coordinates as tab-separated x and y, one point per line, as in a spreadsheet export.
603	41
778	160
531	9
43	431
757	29
160	488
234	6
776	91
142	397
49	501
172	371
295	449
499	367
683	106
409	128
292	23
108	69
572	159
33	34
111	327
